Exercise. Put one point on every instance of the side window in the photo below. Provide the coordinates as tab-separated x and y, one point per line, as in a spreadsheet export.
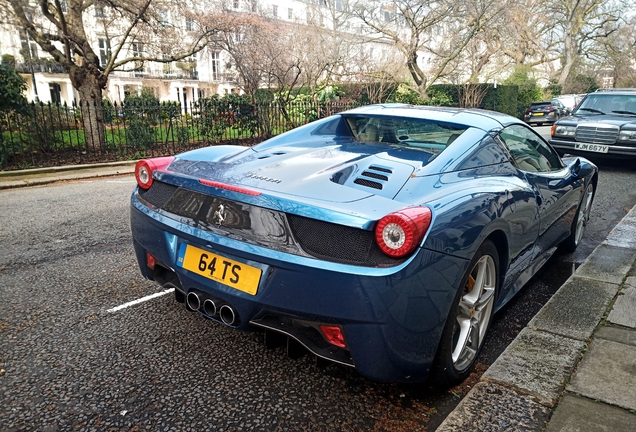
529	151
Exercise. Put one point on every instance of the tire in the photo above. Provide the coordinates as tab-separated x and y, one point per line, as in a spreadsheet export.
581	218
469	319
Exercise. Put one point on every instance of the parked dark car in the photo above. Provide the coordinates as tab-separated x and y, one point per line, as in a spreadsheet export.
545	112
382	238
603	124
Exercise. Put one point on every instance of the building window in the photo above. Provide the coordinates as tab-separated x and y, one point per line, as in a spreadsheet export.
167	65
235	4
275	11
29	48
56	97
216	65
104	51
254	5
163	17
290	14
189	24
137	49
339	5
99	10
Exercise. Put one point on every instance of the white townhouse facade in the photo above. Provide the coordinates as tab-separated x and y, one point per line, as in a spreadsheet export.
206	73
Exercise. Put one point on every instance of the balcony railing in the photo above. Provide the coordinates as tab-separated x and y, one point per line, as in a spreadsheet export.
42	66
165	74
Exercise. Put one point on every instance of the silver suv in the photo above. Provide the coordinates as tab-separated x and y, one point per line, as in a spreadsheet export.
604	123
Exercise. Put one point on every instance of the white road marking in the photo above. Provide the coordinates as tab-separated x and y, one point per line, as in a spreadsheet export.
141	300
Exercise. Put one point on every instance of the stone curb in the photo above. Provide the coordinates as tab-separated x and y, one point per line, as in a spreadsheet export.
520	389
42	176
63	168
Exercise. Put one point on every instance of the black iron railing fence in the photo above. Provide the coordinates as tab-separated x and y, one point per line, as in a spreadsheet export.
42	135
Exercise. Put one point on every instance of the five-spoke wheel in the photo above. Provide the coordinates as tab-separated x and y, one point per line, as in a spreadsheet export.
469	318
581	218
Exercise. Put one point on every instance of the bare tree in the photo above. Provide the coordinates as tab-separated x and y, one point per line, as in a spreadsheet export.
619	53
62	28
525	34
471	95
579	24
437	30
248	39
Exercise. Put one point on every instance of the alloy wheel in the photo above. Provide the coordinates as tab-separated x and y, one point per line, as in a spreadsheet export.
474	312
584	213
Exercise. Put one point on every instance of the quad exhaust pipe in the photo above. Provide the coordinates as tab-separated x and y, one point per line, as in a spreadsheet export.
209	307
193	301
227	314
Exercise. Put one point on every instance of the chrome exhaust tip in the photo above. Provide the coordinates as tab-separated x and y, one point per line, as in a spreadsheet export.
227	314
193	301
209	307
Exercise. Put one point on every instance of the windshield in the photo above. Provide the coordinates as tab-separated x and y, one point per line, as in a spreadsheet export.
607	103
426	135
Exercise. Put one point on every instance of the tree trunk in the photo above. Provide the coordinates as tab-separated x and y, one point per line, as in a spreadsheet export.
570	55
89	88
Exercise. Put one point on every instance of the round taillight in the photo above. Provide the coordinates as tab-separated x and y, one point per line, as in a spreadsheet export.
145	168
399	233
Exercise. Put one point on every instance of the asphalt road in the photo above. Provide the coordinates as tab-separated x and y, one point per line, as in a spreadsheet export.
68	363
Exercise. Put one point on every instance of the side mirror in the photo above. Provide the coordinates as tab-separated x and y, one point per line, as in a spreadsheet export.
576	167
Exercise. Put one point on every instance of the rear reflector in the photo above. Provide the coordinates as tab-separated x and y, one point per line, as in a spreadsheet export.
229	187
334	335
150	260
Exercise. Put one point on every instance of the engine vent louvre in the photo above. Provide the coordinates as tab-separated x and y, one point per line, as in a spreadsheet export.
368	183
375	175
382	169
370	176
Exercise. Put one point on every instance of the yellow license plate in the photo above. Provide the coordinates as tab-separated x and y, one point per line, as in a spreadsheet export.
537	114
219	268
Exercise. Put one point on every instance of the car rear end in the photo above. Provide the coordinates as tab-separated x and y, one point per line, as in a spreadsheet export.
317	276
541	112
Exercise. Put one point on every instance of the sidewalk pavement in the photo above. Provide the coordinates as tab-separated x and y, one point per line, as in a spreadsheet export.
573	368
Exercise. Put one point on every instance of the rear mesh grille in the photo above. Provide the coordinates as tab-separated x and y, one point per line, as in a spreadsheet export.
339	243
158	194
597	134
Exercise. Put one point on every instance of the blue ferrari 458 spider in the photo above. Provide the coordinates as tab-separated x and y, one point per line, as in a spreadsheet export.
382	238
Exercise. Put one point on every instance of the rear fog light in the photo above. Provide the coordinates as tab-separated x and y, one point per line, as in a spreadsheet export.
334	335
150	261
